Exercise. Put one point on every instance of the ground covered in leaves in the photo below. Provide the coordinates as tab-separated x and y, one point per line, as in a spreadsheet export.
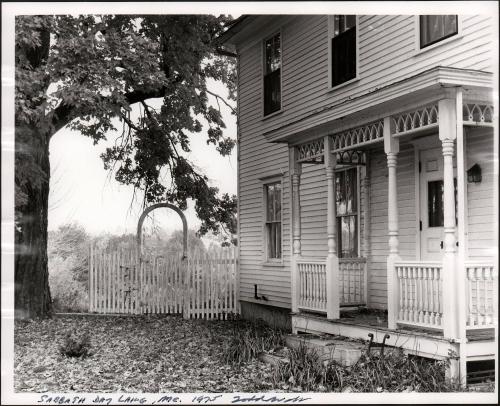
132	354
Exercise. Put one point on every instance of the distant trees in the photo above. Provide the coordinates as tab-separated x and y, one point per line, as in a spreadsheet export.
68	249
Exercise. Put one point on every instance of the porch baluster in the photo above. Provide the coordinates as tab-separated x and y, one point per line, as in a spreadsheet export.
420	315
478	296
425	283
401	304
486	276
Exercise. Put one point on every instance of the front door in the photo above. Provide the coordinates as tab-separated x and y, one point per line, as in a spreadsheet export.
431	204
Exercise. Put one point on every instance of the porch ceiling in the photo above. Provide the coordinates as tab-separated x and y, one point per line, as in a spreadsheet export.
421	89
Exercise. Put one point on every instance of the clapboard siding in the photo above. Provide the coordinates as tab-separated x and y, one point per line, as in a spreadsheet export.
387	54
258	160
480	196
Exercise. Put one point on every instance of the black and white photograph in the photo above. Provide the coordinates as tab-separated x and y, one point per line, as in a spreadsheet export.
250	203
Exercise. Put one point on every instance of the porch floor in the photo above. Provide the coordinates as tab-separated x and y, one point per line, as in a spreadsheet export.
374	318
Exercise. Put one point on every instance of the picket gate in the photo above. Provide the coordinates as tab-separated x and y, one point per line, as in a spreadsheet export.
202	286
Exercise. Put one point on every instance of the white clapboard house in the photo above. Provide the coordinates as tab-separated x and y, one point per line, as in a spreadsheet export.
367	177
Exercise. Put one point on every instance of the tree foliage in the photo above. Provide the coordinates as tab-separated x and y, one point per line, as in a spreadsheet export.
87	71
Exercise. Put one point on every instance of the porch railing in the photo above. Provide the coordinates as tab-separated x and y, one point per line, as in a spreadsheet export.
352	277
420	293
481	298
312	285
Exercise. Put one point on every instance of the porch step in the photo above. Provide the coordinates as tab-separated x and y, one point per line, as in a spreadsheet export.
340	349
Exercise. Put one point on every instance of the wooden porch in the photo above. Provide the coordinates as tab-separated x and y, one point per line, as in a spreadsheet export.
444	308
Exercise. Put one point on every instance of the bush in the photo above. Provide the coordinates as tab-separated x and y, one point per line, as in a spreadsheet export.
395	372
248	339
75	345
68	294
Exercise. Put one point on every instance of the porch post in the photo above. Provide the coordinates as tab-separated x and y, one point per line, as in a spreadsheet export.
295	171
447	135
462	235
391	147
332	261
365	242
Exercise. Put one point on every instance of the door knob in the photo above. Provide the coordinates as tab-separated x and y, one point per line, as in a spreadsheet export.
441	245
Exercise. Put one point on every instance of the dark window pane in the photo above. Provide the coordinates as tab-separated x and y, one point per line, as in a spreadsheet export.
270	212
344	57
435	203
277	202
273	220
272	75
272	92
347	237
434	28
351	190
336	25
278	240
340	192
350	21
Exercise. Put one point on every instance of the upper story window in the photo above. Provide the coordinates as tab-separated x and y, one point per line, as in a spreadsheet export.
343	49
273	220
272	74
435	28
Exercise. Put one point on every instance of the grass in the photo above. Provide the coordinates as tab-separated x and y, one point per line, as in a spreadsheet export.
248	339
394	372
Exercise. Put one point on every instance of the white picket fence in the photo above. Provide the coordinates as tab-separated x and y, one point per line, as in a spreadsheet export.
201	286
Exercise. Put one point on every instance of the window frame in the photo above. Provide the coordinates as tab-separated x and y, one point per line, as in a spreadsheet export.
331	32
263	73
357	176
437	44
265	184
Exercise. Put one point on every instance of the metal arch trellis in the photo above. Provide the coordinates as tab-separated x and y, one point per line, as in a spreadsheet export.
149	210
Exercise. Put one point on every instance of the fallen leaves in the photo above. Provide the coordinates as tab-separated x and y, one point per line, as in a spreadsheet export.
132	354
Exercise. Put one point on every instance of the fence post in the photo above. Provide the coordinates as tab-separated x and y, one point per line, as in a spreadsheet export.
185	296
236	280
91	282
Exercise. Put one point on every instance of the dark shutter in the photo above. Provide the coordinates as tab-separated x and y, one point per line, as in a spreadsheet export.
344	57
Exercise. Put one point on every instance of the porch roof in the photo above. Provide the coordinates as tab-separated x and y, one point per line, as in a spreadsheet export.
420	89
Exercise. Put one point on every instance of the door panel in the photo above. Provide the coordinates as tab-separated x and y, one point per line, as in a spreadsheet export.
431	207
431	203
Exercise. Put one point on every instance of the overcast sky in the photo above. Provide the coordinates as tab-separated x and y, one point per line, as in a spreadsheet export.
82	191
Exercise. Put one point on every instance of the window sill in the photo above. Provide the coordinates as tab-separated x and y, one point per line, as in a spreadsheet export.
272	114
276	264
420	51
353	80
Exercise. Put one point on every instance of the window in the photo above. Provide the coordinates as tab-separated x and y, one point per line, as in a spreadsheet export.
272	74
347	213
343	49
435	28
273	220
435	205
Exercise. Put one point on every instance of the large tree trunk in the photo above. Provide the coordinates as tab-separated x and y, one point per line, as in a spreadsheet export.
31	294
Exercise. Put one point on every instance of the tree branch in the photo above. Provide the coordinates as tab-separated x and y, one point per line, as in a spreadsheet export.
222	99
63	112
